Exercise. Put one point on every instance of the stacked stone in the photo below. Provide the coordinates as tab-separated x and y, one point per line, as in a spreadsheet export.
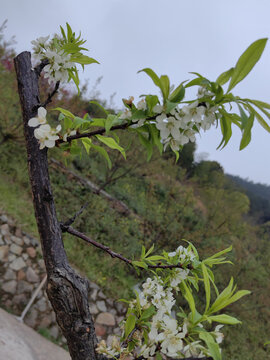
22	270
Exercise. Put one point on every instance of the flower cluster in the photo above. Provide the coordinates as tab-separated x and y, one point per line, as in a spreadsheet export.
59	61
180	125
165	334
43	132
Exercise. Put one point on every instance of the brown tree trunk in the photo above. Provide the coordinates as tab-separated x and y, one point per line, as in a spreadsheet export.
67	291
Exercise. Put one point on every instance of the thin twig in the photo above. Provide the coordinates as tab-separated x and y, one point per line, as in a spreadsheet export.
51	95
71	220
41	66
112	253
95	132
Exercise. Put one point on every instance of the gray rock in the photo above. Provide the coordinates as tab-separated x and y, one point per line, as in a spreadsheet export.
93	285
4	253
11	257
101	295
45	322
17	240
31	318
113	311
41	305
7	239
24	287
93	295
101	306
31	276
10	286
4	229
26	240
93	309
15	249
120	307
41	263
9	275
20	299
1	240
4	218
25	256
105	318
110	302
17	264
54	331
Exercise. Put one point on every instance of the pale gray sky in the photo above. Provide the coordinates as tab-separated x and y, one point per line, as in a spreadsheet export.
173	37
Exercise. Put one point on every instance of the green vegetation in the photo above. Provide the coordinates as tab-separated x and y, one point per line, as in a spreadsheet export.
168	202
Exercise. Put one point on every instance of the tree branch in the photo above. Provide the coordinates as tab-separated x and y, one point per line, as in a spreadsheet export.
112	253
41	66
93	133
51	95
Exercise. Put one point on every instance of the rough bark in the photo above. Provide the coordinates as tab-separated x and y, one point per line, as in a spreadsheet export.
67	291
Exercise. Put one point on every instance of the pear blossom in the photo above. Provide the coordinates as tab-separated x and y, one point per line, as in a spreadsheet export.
57	69
203	92
69	133
40	45
40	119
126	114
218	335
167	126
46	135
158	109
193	111
141	105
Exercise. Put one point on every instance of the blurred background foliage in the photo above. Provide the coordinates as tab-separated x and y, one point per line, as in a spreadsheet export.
167	202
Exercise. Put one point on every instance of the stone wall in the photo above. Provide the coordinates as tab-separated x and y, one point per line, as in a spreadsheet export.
22	270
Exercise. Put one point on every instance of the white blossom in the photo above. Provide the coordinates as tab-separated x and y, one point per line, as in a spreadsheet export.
46	135
69	133
218	335
40	119
193	112
141	105
126	114
158	109
203	92
168	126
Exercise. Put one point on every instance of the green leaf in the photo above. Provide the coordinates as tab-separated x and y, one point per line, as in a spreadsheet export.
206	286
147	144
87	143
140	264
130	324
224	319
260	119
170	106
111	143
151	101
152	75
239	295
246	137
223	296
188	296
83	60
178	94
225	76
104	153
146	314
226	129
65	112
165	86
246	62
211	344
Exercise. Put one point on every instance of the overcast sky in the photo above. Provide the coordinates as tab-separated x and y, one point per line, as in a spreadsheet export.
172	37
